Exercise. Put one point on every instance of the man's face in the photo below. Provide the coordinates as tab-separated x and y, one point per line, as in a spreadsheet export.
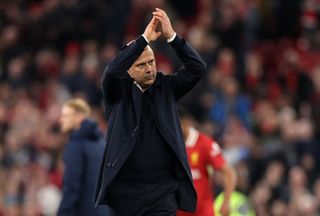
185	125
143	70
67	119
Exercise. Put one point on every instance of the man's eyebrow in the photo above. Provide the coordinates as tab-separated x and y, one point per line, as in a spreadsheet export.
141	63
145	62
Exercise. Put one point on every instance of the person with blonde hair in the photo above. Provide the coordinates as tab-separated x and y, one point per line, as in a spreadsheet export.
82	156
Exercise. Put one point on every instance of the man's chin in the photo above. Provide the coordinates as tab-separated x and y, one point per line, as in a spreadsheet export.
147	83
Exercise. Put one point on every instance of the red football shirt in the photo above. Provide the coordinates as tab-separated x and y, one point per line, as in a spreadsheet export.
202	152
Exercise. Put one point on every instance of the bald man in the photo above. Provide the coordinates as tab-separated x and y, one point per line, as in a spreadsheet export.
145	168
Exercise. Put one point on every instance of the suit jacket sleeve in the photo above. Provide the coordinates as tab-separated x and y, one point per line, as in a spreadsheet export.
194	68
112	80
72	179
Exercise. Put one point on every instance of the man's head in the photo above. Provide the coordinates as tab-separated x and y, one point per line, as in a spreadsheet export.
143	70
73	112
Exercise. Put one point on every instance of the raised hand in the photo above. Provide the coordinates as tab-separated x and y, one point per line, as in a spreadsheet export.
150	32
162	16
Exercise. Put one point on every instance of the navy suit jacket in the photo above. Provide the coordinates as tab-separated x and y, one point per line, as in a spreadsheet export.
82	157
123	111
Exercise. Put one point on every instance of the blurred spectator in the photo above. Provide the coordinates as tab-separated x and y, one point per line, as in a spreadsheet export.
253	78
275	178
82	157
236	140
294	82
230	103
279	208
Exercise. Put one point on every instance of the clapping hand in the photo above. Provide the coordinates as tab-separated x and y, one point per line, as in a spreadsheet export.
159	16
151	30
162	16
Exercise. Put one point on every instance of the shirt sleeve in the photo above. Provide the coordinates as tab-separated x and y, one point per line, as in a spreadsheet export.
145	38
214	155
172	38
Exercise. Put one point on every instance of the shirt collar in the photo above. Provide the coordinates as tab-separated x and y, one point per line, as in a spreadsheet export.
156	83
139	86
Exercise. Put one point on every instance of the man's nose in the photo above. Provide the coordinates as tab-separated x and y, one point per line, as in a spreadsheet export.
148	68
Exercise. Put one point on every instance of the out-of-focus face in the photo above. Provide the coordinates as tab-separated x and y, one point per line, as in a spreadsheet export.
297	177
143	70
185	127
68	119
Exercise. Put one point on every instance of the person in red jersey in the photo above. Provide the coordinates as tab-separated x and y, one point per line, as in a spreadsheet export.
203	152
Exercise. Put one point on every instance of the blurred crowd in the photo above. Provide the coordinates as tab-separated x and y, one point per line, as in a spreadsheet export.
260	98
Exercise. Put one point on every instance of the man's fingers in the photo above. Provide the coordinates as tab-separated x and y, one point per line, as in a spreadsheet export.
158	13
162	19
158	9
154	22
158	34
161	13
159	18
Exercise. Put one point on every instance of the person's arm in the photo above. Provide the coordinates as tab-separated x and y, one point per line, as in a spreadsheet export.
217	161
72	179
229	183
194	67
118	67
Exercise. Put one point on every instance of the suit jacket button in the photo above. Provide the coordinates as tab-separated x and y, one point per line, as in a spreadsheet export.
108	164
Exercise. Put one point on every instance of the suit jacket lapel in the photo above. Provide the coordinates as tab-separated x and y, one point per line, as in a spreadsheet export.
136	96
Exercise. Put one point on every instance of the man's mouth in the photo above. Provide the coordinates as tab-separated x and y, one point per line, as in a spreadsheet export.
151	77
